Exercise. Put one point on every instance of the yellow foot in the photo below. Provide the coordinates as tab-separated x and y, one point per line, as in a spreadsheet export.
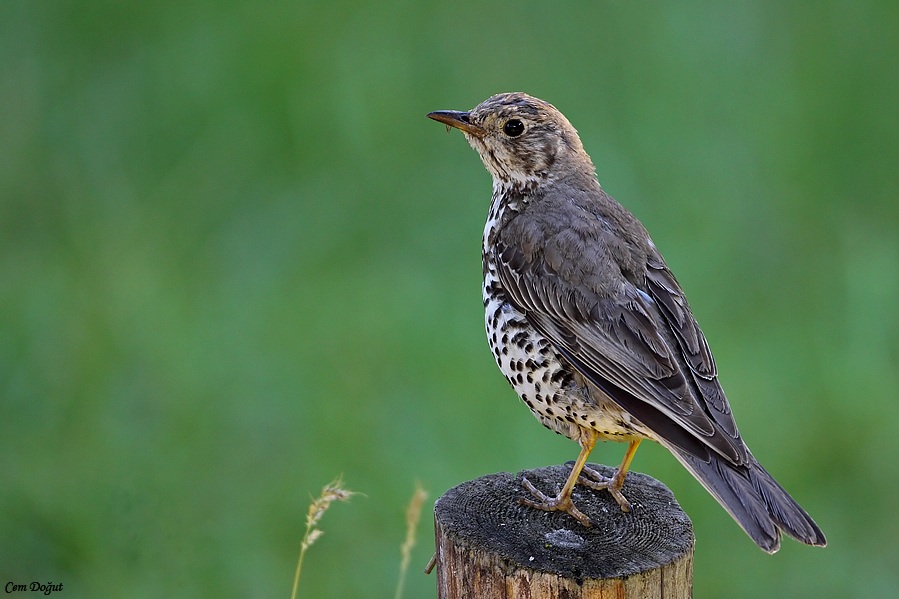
612	485
553	504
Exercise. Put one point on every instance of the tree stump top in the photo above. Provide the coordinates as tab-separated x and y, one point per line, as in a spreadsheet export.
485	515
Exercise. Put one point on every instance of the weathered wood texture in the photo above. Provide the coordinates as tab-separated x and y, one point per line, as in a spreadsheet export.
491	547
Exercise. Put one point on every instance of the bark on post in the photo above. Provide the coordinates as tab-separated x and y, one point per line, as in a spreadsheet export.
491	547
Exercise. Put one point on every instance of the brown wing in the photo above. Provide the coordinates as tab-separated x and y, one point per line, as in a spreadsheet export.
642	347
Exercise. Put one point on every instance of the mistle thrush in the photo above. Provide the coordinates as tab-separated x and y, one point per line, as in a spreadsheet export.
591	328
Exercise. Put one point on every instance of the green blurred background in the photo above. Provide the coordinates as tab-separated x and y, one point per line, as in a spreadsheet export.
236	260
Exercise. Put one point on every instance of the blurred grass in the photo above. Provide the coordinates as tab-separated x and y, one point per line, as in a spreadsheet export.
236	259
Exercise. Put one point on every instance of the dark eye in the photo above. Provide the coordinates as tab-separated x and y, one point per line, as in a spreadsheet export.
513	128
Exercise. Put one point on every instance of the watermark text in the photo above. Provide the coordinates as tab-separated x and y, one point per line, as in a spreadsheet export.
34	587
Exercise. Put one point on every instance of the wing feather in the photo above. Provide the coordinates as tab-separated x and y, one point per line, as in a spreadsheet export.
643	348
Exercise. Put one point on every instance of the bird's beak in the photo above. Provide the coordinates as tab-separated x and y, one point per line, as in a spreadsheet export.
459	120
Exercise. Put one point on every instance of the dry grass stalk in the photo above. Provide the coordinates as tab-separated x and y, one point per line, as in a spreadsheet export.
413	513
331	492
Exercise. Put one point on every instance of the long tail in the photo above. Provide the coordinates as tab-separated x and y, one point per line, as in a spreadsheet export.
755	500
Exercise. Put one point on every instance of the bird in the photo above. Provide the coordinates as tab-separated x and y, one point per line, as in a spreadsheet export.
592	330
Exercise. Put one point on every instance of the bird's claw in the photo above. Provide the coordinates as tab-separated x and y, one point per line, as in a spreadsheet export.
553	504
601	482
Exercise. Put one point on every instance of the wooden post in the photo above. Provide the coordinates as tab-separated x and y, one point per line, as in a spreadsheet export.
491	547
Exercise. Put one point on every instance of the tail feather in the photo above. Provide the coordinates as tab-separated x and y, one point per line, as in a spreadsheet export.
784	510
754	499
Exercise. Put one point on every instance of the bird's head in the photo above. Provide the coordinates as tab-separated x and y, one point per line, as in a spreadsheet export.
522	140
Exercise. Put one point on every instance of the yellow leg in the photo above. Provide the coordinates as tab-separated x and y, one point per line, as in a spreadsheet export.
628	457
587	442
